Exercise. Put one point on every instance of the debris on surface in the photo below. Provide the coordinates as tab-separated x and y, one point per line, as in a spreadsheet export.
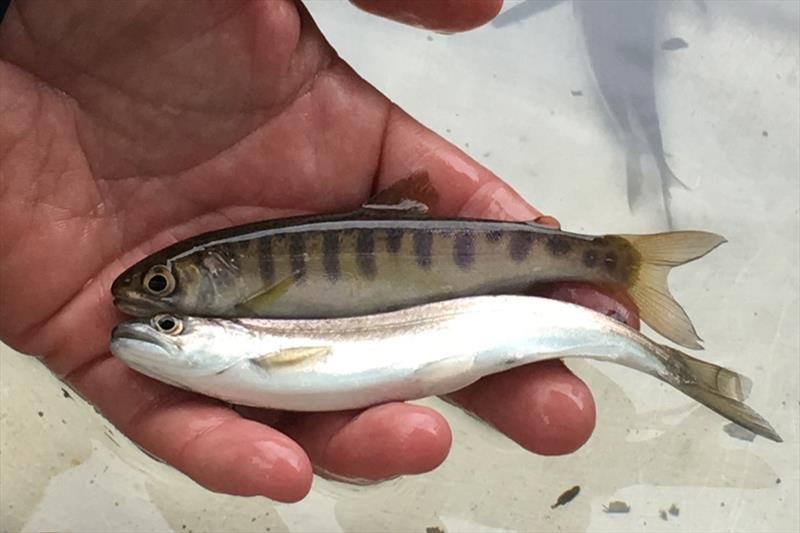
566	497
434	529
65	393
673	510
663	514
676	43
576	93
617	507
738	432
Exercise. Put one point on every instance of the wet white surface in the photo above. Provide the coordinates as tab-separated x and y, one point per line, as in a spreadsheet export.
729	107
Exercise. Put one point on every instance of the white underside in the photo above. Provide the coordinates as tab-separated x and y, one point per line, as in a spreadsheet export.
414	360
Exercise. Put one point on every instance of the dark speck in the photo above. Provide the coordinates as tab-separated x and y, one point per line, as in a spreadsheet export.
65	393
494	235
663	514
778	481
487	154
434	529
40	413
590	258
765	133
610	261
722	504
567	496
576	93
676	43
617	507
673	510
430	38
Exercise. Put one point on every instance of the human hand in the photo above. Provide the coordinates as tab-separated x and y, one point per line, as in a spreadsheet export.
128	126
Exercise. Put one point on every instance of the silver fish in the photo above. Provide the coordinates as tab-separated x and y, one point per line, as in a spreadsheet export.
427	350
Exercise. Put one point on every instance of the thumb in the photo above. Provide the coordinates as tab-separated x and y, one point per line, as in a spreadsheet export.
439	15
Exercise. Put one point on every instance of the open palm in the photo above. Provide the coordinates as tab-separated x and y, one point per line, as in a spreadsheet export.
127	126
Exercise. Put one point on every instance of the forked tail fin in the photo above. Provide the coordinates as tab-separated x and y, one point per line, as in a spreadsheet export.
719	389
659	253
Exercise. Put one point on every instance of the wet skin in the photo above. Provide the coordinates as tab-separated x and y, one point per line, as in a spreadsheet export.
129	126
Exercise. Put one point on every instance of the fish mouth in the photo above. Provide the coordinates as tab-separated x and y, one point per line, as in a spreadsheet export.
134	338
129	331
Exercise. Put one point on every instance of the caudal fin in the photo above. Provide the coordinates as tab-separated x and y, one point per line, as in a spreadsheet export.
719	389
659	253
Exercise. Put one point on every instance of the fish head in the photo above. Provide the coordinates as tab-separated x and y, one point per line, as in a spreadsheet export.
196	283
174	348
155	285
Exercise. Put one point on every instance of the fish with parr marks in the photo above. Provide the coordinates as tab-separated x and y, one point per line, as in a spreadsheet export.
392	254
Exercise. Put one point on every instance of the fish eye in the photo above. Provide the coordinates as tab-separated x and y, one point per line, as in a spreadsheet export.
167	324
159	281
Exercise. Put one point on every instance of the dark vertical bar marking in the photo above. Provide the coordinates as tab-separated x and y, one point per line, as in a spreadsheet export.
423	243
464	249
558	245
520	245
330	254
394	239
297	254
266	262
365	253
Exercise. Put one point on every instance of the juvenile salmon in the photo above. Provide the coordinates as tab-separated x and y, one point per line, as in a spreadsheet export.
432	349
385	257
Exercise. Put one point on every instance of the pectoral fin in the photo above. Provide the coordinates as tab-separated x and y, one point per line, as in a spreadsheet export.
291	356
259	303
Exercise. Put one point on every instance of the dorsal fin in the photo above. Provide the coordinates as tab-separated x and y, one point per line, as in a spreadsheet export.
414	193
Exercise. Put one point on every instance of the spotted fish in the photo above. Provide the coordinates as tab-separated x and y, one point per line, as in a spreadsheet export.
391	254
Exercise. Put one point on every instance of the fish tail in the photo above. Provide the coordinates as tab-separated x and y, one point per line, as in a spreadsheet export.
658	254
720	389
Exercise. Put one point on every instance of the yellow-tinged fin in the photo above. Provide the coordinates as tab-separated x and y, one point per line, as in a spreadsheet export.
658	254
291	356
260	302
719	389
710	376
